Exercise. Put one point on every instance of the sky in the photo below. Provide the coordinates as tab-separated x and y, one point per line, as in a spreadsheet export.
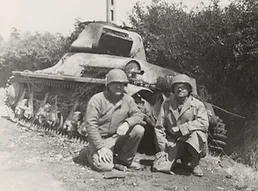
58	16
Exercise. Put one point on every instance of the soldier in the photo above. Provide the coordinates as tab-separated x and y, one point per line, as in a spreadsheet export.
113	126
181	128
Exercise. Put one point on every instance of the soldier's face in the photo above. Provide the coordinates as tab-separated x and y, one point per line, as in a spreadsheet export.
181	90
116	88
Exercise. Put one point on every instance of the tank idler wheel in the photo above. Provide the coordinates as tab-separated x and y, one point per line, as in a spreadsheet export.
13	90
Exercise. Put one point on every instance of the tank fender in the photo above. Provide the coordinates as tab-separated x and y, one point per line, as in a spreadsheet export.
131	89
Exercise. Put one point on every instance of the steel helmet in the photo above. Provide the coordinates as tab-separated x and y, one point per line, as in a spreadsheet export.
181	78
116	75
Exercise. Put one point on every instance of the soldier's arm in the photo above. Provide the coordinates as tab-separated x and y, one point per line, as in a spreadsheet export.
160	130
91	122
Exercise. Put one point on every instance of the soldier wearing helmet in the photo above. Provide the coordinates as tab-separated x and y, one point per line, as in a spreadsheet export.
113	125
181	129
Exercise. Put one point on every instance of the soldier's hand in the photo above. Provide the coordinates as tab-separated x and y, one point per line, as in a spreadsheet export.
105	155
159	155
122	129
174	129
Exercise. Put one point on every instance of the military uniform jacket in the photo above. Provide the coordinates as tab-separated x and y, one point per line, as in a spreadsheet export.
192	121
104	117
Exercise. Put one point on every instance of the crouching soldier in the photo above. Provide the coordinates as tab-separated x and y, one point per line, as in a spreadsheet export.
181	128
112	124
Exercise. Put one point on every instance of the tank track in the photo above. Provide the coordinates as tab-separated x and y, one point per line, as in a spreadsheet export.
217	137
70	100
50	105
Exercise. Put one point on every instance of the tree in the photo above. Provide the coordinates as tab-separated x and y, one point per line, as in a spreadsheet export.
31	52
217	46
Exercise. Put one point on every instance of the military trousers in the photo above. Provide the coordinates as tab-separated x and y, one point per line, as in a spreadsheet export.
176	150
124	149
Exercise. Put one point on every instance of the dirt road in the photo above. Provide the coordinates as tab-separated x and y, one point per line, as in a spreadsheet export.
42	161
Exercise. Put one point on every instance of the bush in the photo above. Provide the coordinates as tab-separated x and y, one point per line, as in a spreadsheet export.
217	46
30	52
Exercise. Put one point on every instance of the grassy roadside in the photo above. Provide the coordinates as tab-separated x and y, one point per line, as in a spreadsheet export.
242	176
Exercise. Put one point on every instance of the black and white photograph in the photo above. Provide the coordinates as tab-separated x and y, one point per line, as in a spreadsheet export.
122	95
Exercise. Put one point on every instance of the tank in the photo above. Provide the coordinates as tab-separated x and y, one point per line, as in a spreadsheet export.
56	98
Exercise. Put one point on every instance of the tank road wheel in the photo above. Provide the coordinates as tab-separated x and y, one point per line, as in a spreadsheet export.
53	124
217	137
60	122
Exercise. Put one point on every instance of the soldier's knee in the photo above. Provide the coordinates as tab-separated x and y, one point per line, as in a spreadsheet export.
138	130
101	166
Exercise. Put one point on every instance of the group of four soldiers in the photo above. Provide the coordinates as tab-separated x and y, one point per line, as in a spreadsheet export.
113	124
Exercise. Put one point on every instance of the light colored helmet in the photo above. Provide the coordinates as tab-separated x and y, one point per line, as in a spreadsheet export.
181	78
116	75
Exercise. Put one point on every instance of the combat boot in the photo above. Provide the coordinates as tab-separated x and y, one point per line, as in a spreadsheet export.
197	171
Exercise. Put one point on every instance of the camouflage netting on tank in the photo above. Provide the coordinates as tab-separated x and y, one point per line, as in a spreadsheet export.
164	83
82	94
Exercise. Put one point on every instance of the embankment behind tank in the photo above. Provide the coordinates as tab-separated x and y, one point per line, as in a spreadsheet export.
246	151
